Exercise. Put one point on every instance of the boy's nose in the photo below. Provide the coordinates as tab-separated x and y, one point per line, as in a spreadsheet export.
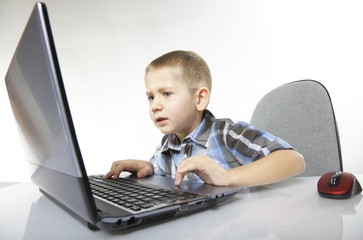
156	106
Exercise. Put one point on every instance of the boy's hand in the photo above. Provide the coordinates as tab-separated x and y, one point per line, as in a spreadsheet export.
141	168
207	169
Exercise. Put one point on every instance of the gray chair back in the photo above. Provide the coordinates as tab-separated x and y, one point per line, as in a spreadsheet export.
302	114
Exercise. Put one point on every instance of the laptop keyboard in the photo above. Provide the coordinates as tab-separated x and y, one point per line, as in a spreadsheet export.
135	196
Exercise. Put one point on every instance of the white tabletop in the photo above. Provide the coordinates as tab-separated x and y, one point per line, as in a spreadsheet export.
288	210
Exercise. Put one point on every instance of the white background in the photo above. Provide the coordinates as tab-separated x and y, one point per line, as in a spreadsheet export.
250	46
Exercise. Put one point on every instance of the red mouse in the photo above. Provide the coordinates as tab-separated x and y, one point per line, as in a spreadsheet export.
338	185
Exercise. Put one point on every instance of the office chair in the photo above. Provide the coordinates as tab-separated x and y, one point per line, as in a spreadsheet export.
302	114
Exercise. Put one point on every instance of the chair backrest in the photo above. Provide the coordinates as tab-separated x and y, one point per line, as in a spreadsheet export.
302	114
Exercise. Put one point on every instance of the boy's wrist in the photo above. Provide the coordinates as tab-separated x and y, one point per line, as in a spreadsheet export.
232	178
237	177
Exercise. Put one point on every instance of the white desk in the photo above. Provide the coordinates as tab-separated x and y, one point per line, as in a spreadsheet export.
288	210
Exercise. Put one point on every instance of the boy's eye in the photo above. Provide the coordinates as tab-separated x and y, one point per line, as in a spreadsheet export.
166	94
150	98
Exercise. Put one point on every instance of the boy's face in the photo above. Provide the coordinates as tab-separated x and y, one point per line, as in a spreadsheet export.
172	105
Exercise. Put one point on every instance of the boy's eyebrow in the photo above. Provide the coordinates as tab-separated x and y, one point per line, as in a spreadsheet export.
162	89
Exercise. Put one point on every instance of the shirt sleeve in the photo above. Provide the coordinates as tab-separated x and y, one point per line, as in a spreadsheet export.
247	143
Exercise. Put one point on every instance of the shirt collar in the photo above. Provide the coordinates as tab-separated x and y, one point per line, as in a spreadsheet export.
199	136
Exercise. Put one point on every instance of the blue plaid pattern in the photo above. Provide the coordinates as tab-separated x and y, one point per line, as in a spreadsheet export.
230	143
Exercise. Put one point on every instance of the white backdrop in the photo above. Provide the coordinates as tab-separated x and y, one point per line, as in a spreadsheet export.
250	46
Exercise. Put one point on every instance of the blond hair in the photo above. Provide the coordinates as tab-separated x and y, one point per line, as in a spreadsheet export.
189	66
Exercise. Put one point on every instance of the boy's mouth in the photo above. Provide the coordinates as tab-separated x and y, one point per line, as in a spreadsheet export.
160	119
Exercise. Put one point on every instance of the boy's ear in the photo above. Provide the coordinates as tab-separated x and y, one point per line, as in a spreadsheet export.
202	98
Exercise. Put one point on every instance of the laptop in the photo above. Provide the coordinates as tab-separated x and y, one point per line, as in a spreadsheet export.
39	103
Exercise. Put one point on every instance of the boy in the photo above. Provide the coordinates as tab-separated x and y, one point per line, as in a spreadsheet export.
195	144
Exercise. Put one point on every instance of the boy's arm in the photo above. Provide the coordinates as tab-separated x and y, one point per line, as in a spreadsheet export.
140	167
275	167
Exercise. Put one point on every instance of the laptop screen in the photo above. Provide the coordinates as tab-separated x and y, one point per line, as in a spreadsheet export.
40	107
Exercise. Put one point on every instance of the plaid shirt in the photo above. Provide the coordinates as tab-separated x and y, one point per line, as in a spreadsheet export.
229	143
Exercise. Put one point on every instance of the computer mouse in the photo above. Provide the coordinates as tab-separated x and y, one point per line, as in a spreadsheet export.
338	185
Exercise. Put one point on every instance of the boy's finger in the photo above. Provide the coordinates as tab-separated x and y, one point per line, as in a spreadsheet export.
108	175
178	178
113	173
188	165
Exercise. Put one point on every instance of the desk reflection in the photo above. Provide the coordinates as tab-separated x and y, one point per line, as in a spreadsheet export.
289	210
